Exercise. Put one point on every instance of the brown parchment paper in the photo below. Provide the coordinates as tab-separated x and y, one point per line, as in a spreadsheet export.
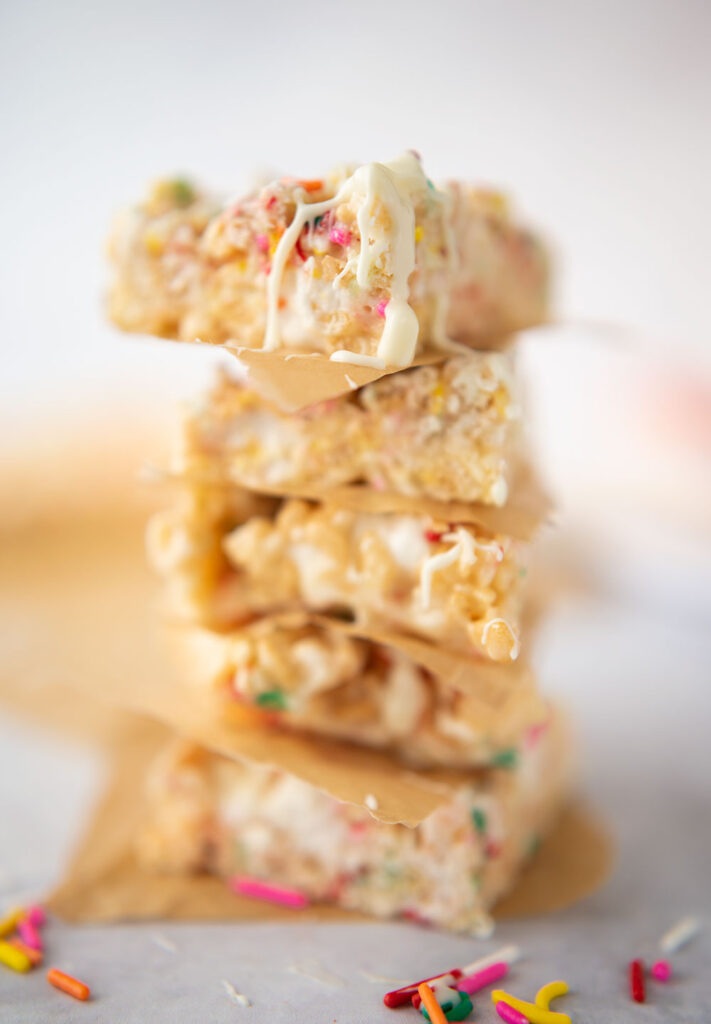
104	881
295	380
529	506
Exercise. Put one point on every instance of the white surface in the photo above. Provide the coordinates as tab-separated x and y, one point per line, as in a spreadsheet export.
594	115
647	768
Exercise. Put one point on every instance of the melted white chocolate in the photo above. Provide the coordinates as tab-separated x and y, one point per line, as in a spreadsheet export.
394	187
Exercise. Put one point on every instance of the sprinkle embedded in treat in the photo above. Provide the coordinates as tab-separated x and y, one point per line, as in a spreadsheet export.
682	932
505	759
248	886
636	981
661	971
371	802
66	983
14	958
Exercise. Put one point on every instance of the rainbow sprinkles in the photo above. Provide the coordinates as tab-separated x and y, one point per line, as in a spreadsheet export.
390	187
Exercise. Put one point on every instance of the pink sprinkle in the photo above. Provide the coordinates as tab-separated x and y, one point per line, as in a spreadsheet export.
262	243
381	307
535	732
340	236
473	982
29	935
661	971
36	916
510	1015
248	886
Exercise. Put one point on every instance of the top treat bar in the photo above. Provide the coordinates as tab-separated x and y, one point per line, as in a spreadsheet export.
369	267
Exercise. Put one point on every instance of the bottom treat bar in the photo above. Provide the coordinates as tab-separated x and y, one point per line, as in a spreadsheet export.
211	813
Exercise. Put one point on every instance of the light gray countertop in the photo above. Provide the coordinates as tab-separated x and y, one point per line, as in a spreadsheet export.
638	683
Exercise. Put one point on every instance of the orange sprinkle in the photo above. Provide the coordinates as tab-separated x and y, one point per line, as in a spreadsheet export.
431	1005
65	982
312	185
33	955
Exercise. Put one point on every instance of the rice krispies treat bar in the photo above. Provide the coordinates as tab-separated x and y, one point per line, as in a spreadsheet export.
455	584
321	680
367	264
451	431
210	813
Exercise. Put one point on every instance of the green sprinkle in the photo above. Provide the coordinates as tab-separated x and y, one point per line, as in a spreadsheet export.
522	573
274	699
505	759
430	185
479	820
183	191
534	845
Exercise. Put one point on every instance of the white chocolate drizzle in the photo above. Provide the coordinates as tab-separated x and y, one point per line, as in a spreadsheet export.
393	186
463	549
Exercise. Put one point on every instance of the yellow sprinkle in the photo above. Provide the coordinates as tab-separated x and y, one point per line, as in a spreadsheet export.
499	203
550	991
535	1014
13	958
241	266
419	233
153	243
10	921
316	272
501	401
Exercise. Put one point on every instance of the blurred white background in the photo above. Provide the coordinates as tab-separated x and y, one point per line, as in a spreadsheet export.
594	115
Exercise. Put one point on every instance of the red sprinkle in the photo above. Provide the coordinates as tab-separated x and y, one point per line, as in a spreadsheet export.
636	975
433	535
300	249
